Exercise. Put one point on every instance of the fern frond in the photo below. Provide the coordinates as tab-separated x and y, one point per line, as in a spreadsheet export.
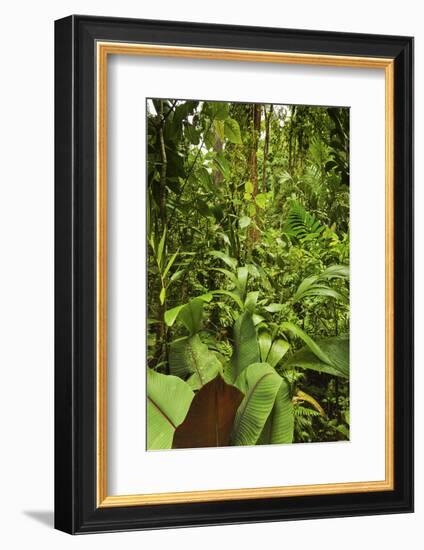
301	224
305	411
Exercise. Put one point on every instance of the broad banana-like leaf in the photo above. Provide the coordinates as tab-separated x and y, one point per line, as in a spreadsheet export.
231	276
232	295
271	351
238	279
259	383
278	349
251	301
189	314
318	290
211	416
335	348
190	356
246	349
335	271
242	276
231	262
168	401
257	319
279	427
265	342
312	286
312	345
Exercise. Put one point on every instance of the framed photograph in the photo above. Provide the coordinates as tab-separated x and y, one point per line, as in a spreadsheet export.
234	274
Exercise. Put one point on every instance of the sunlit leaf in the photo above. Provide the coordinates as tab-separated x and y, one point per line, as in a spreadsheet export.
162	295
231	262
260	383
168	401
246	349
191	357
265	342
242	276
312	345
248	187
171	315
278	349
251	301
169	264
334	349
232	295
232	131
219	129
244	222
279	426
274	308
160	250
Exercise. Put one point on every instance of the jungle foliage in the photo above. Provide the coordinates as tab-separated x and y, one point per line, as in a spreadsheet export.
248	274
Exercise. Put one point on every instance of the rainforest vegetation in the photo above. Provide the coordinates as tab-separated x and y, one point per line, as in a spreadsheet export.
248	274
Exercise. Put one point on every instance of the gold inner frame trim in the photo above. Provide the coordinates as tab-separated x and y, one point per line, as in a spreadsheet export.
104	49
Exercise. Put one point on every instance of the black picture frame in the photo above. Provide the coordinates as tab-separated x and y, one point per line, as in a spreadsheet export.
76	508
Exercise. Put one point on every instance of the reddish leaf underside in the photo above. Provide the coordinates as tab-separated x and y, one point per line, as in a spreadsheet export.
210	418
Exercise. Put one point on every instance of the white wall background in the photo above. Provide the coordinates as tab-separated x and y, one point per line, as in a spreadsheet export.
26	273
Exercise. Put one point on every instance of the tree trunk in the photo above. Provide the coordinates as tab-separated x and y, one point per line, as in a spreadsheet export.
256	128
164	163
161	329
266	146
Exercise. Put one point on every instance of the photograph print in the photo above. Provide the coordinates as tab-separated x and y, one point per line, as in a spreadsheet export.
247	274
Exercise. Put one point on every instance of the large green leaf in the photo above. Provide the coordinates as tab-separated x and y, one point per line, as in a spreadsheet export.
191	357
246	349
239	279
336	348
278	349
210	419
271	351
259	383
190	314
231	276
168	401
231	262
265	342
313	286
280	424
217	109
232	131
251	301
232	295
312	345
335	271
242	276
244	222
